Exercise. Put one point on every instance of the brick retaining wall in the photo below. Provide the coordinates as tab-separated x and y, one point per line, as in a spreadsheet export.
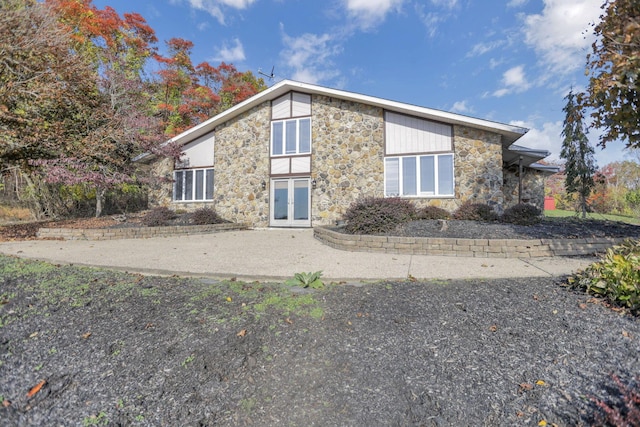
133	232
480	248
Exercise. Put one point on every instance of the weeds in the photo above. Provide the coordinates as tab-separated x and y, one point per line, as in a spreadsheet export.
307	280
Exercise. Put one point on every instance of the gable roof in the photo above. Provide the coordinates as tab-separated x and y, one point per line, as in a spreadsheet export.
509	133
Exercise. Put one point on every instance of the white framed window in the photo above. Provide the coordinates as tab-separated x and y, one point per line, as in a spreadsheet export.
426	175
291	137
191	185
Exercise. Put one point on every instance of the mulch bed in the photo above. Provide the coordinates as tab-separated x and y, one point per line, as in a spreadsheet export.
115	349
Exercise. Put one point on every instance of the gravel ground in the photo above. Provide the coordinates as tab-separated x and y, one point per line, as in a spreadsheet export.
127	350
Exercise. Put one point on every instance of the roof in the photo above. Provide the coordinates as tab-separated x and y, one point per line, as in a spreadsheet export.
509	133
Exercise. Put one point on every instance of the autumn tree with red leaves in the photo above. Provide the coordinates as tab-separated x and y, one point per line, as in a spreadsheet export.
75	102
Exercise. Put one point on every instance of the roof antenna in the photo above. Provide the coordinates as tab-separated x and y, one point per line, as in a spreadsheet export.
269	76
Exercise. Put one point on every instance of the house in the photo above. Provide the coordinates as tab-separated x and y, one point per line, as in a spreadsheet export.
298	155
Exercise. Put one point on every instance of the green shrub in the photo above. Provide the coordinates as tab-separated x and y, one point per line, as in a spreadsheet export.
205	216
522	214
433	212
159	216
475	212
373	215
615	277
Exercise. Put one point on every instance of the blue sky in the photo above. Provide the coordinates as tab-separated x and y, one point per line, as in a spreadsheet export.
510	61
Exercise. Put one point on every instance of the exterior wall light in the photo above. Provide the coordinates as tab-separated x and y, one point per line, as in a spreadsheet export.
313	183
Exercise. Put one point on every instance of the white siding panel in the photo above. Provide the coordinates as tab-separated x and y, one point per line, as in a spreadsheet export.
301	164
279	166
199	152
407	134
281	107
301	104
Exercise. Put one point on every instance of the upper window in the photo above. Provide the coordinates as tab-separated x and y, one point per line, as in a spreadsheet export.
193	185
419	176
291	137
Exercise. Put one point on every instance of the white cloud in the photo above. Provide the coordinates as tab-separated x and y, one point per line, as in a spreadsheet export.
449	4
514	80
309	56
547	138
233	53
461	107
214	7
517	3
368	13
561	34
481	48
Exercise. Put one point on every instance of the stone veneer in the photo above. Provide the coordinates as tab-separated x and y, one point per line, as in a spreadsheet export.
532	187
348	156
241	164
347	164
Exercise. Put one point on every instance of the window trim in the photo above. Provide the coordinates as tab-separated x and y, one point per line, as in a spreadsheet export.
283	140
194	187
418	178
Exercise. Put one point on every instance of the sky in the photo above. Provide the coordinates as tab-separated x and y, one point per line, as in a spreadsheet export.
510	61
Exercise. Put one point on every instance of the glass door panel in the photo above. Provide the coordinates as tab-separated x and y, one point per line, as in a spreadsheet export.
280	200
301	200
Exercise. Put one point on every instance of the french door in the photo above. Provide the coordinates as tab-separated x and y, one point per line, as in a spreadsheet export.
290	202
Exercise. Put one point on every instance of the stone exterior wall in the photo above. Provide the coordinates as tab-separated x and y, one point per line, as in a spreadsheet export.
348	156
160	189
347	164
241	164
532	187
478	169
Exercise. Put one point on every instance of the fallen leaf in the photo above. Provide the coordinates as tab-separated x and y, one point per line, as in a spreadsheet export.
535	297
229	299
411	278
288	321
86	335
525	387
6	403
541	383
493	328
359	314
555	311
519	414
582	306
542	423
33	335
149	325
36	389
626	334
242	333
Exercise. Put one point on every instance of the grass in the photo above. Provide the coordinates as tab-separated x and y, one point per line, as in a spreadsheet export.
559	213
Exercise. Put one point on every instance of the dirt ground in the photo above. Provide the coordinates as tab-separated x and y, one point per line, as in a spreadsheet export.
81	346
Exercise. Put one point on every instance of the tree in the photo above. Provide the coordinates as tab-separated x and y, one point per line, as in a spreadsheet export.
614	65
45	89
580	165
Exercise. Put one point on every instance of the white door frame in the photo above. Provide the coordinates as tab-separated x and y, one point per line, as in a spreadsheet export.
288	219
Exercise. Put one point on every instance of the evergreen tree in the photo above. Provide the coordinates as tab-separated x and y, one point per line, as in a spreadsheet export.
580	166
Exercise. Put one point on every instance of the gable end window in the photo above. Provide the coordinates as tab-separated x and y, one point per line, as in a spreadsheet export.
428	175
190	185
291	137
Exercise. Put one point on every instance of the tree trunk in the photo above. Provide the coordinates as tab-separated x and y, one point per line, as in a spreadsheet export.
100	194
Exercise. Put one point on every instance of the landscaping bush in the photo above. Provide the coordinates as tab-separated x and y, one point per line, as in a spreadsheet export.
433	212
625	411
616	277
522	214
159	216
205	216
378	215
475	212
